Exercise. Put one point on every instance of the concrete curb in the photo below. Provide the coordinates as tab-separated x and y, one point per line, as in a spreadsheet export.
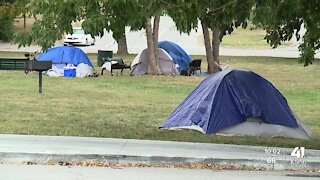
17	158
44	149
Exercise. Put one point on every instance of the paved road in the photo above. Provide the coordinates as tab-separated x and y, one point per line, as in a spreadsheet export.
32	172
192	43
43	149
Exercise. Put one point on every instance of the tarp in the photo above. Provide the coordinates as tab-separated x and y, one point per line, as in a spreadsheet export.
227	98
65	55
178	55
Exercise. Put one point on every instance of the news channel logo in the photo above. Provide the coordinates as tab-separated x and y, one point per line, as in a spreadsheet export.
298	154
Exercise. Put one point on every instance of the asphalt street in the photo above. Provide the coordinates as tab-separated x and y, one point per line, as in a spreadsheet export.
40	172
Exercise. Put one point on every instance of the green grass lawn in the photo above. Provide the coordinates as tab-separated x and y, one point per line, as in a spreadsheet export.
19	23
247	38
134	107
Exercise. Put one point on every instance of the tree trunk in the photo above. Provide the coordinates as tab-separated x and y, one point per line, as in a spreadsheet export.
207	44
153	68
122	45
212	66
216	44
24	21
155	35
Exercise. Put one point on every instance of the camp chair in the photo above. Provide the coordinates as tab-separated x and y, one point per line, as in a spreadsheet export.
194	66
116	63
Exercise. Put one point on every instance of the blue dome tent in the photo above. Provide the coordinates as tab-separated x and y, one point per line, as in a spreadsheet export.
178	55
63	55
237	102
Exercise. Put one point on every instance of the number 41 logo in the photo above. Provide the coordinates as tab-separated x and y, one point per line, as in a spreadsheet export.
298	152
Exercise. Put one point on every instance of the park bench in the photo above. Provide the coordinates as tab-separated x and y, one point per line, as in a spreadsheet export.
13	63
26	65
116	63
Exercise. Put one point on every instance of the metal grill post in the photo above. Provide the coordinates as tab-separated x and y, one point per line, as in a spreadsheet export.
40	82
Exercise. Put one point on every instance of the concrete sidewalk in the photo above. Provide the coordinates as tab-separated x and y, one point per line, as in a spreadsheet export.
43	149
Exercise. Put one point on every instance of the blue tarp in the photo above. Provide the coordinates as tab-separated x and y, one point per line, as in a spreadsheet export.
65	55
227	98
178	55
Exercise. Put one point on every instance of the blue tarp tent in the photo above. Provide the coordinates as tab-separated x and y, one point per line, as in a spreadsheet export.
178	55
65	55
226	100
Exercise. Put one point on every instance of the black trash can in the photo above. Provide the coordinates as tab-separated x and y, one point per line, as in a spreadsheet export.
103	54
